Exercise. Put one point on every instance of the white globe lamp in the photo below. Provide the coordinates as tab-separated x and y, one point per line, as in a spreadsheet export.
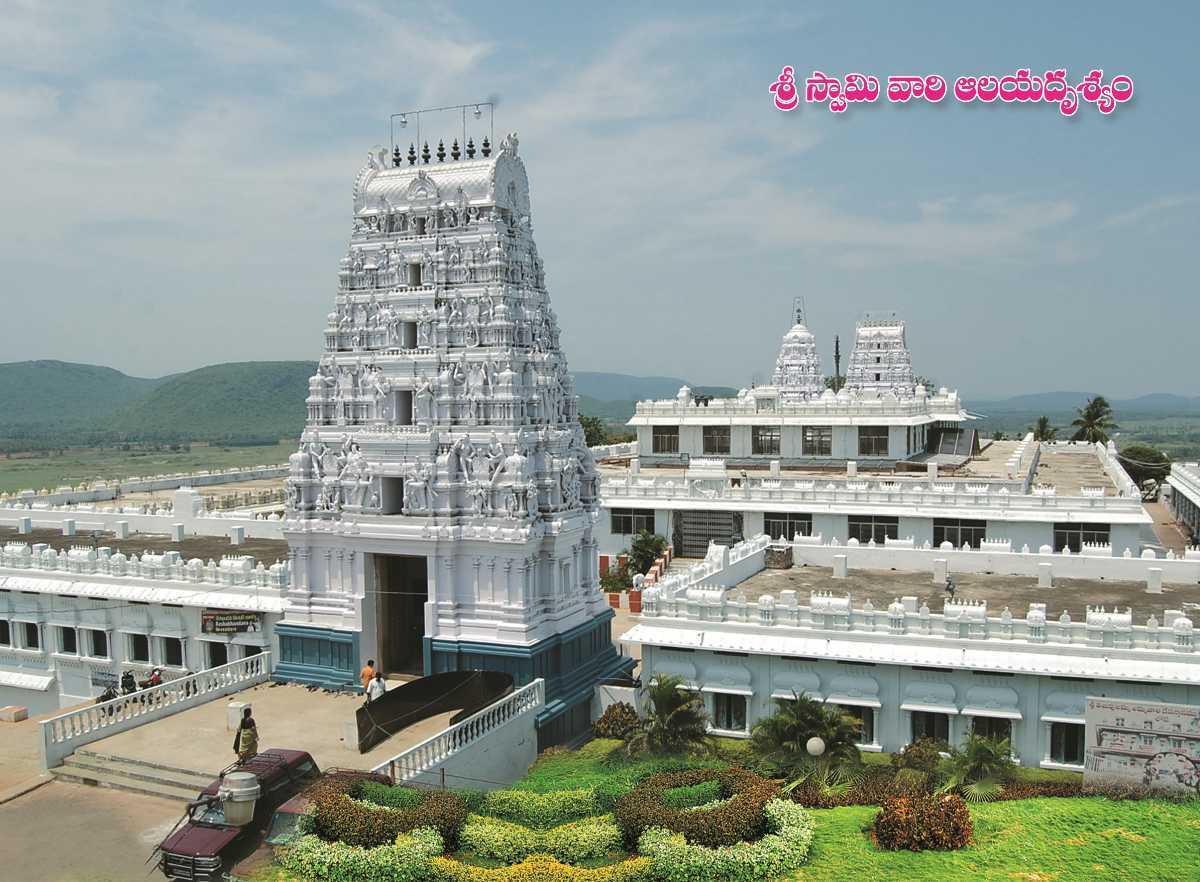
815	746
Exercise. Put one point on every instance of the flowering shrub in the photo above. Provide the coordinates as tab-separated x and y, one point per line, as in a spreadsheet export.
923	821
539	868
570	843
736	819
343	816
617	720
541	810
781	851
406	860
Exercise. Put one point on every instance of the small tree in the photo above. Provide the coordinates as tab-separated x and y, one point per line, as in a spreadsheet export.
978	769
1094	422
594	433
677	721
644	548
1147	466
782	738
1042	430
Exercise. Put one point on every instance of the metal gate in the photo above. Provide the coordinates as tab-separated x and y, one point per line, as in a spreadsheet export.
696	529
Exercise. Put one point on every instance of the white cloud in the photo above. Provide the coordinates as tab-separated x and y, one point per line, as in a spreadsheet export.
1153	208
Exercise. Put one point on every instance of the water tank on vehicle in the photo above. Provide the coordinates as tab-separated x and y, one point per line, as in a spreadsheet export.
239	792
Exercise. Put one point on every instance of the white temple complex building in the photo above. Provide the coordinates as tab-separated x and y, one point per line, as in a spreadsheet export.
881	460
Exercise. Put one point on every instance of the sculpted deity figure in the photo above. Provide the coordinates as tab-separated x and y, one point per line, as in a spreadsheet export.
480	498
569	482
418	490
424	400
459	460
379	387
424	328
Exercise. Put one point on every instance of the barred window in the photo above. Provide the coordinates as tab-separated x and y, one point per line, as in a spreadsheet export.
958	532
864	528
666	439
716	440
765	440
872	440
631	521
818	440
785	525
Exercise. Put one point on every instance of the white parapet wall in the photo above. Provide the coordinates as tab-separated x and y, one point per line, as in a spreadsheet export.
1094	562
489	749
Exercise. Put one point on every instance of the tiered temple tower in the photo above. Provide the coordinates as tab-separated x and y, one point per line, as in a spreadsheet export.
798	367
441	503
880	360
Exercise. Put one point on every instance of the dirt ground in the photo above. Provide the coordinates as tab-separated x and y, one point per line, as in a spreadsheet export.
204	547
1015	592
75	833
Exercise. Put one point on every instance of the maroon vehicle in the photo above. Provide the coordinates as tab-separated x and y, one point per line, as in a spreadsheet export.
229	820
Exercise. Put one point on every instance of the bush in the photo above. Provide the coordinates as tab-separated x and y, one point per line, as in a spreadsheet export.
738	819
927	821
541	810
342	815
392	797
540	868
406	860
780	852
571	843
617	721
924	755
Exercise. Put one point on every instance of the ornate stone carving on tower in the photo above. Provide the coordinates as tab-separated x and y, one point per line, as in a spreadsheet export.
798	367
880	360
441	501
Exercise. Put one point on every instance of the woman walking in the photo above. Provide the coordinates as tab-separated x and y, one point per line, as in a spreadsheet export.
245	742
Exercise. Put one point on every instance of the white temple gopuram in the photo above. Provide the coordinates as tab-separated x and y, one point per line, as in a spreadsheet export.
442	501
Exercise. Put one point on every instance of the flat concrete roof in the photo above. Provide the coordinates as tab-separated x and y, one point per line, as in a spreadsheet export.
1069	472
1015	592
204	547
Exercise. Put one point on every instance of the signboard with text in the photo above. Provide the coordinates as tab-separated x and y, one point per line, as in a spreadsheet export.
223	621
1146	743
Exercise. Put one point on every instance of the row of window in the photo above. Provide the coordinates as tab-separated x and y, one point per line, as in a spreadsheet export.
766	440
94	643
1066	739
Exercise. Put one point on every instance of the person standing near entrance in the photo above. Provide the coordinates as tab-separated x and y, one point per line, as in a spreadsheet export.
376	689
245	742
367	674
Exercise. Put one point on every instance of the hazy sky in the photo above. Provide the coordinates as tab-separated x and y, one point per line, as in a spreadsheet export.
176	180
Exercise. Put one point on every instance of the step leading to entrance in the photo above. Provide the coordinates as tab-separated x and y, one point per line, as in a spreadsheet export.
128	773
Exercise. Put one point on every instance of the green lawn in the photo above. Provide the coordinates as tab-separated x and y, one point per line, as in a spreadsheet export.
1035	840
86	464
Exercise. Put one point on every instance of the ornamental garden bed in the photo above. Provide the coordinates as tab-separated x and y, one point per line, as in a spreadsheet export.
595	815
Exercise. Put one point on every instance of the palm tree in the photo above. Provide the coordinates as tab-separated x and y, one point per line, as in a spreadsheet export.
782	738
1094	422
677	722
979	769
1042	430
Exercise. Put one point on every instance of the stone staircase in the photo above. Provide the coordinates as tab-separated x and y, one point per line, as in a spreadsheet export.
138	776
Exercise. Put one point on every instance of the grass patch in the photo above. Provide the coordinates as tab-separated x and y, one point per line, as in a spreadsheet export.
1034	840
599	762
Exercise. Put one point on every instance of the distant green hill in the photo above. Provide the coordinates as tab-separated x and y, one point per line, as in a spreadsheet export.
239	402
40	392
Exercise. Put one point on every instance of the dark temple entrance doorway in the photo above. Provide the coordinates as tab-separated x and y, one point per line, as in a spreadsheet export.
401	590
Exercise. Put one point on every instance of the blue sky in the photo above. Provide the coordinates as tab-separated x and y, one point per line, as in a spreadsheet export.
176	181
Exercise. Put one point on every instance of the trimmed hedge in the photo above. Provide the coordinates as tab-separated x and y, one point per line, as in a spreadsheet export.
341	814
541	810
780	852
407	860
540	868
740	818
571	843
923	821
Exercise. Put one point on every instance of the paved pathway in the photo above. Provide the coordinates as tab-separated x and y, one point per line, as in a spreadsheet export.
286	715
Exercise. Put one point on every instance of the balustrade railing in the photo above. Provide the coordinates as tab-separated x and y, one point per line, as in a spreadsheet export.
66	733
432	752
